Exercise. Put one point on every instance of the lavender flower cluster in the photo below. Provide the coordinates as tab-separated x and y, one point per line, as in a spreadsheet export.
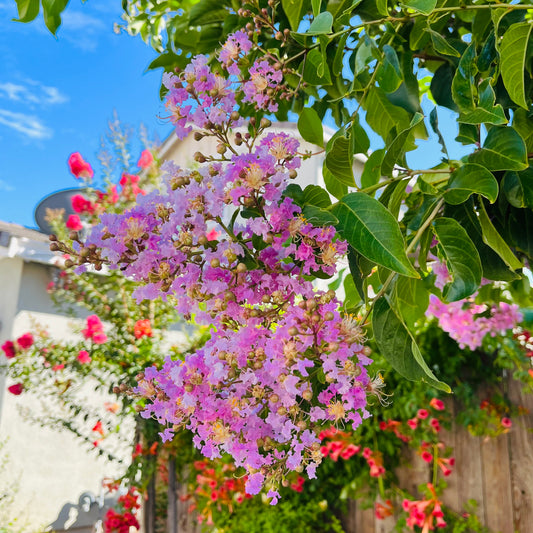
232	251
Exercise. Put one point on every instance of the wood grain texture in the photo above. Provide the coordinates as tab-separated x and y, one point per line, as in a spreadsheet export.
521	444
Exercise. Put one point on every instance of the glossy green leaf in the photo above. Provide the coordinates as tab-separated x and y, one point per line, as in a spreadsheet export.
310	126
389	74
399	348
486	112
316	195
351	295
513	51
336	67
335	187
372	169
381	6
464	82
316	70
523	124
492	238
318	216
411	299
315	5
322	24
441	45
441	86
339	160
462	259
471	179
27	10
396	149
382	116
372	231
294	9
503	149
364	54
52	10
518	188
360	140
422	6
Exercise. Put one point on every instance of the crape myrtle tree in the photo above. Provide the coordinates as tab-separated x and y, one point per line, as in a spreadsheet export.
285	358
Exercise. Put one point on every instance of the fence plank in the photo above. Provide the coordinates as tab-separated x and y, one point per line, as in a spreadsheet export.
450	496
364	520
521	441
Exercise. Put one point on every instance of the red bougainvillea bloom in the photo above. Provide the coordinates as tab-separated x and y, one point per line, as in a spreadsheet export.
142	328
84	357
16	389
9	349
146	159
94	330
25	341
79	167
422	414
80	204
56	368
74	223
437	404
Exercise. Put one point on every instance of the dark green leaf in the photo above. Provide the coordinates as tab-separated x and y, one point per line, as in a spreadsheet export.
370	228
396	148
411	298
462	259
372	169
295	10
389	74
434	122
503	149
296	193
382	116
523	124
207	12
335	187
310	126
398	347
422	6
322	24
381	6
360	140
339	160
463	81
470	179
487	112
518	188
317	196
492	238
441	45
27	10
520	227
513	50
316	70
441	86
318	216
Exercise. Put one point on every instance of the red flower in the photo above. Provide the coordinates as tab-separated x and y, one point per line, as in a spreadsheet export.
506	422
146	159
142	328
74	223
25	341
212	235
382	511
412	423
16	389
84	357
422	414
94	330
80	204
98	428
9	349
79	167
55	368
435	424
437	404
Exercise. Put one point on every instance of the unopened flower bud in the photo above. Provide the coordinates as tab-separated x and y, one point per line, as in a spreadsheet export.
215	262
293	331
274	398
198	136
199	157
242	268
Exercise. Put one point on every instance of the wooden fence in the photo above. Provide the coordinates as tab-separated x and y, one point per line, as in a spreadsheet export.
496	472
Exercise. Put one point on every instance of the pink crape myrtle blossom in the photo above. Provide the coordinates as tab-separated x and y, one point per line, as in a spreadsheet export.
228	247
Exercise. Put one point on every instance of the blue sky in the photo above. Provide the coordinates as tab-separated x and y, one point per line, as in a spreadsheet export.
57	96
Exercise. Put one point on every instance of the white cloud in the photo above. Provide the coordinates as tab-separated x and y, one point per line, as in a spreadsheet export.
4	186
81	29
29	125
31	91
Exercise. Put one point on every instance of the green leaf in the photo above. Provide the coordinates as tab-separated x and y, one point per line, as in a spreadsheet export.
370	228
518	188
381	6
396	148
322	24
207	12
462	259
310	126
422	6
315	5
441	45
365	53
295	9
434	123
398	347
470	179
513	51
339	160
372	169
441	86
523	124
316	70
503	149
27	10
336	67
492	238
411	298
352	297
382	116
335	187
360	140
52	10
317	196
464	80
296	193
487	112
389	74
318	216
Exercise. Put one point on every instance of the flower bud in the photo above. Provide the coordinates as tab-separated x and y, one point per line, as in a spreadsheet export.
198	136
242	268
215	262
199	157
